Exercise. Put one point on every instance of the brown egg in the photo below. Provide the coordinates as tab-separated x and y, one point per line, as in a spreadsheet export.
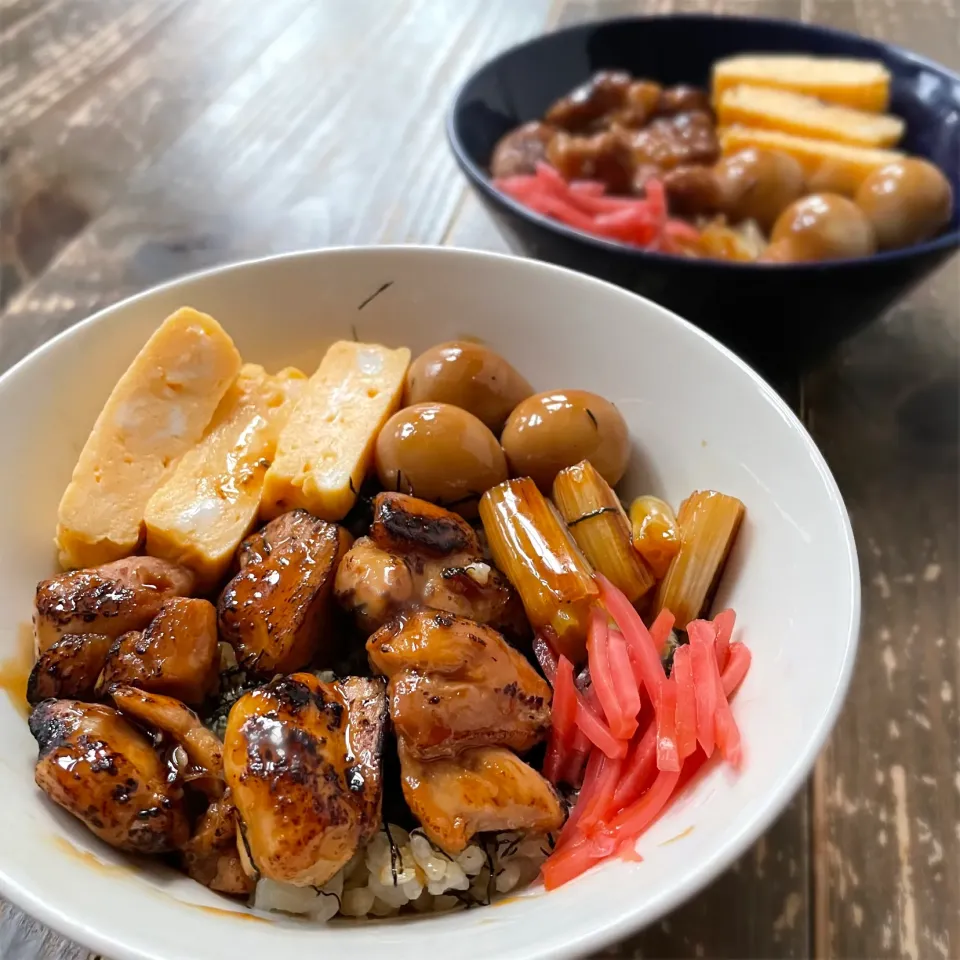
758	185
439	453
554	430
822	226
907	201
469	376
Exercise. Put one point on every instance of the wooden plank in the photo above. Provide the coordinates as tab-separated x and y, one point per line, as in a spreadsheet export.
22	938
887	811
293	154
888	797
64	165
66	46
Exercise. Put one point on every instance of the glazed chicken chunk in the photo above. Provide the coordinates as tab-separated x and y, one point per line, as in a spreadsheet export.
105	771
109	600
175	655
302	760
201	764
421	553
211	856
69	667
274	611
487	788
455	684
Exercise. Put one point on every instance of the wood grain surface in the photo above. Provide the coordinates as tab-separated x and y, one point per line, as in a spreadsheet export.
140	139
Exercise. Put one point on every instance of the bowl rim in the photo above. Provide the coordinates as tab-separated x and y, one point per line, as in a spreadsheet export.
602	932
481	180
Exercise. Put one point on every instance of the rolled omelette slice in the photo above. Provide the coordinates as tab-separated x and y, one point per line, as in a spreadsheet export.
325	450
210	502
157	411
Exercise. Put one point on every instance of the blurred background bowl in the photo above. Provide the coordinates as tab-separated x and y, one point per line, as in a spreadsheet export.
781	318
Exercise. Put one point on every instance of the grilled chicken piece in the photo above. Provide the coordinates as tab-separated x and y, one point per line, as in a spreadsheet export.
367	713
456	684
112	599
175	655
105	771
488	788
274	611
211	856
302	759
203	768
69	667
405	524
421	553
375	585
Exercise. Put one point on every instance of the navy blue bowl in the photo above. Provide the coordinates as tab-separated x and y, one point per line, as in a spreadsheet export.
780	317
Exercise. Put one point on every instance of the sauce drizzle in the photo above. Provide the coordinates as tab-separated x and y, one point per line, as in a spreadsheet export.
15	669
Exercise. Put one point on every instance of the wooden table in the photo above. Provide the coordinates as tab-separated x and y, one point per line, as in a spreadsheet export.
140	139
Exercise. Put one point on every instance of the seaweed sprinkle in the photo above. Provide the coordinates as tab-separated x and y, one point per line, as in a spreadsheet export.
676	638
592	514
511	847
327	893
234	683
492	879
242	831
592	417
394	854
376	293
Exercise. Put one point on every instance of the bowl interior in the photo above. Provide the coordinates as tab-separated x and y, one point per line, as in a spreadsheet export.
699	418
518	85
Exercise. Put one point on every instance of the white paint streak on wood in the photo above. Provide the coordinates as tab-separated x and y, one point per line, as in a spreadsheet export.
760	855
890	665
881	582
787	917
921	719
908	908
931	573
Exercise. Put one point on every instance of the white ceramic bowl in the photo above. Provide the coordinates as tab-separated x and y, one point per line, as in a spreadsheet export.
699	418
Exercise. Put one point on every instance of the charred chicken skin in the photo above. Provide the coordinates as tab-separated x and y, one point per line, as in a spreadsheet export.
69	667
487	788
405	524
105	771
175	655
211	857
274	611
302	760
456	684
202	763
421	553
109	600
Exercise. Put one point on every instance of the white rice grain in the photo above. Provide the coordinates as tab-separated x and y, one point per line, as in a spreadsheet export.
357	902
385	879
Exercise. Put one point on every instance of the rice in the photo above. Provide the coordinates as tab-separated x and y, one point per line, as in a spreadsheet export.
400	872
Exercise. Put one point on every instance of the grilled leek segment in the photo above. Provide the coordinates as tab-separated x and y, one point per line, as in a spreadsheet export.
533	548
708	522
656	535
598	523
